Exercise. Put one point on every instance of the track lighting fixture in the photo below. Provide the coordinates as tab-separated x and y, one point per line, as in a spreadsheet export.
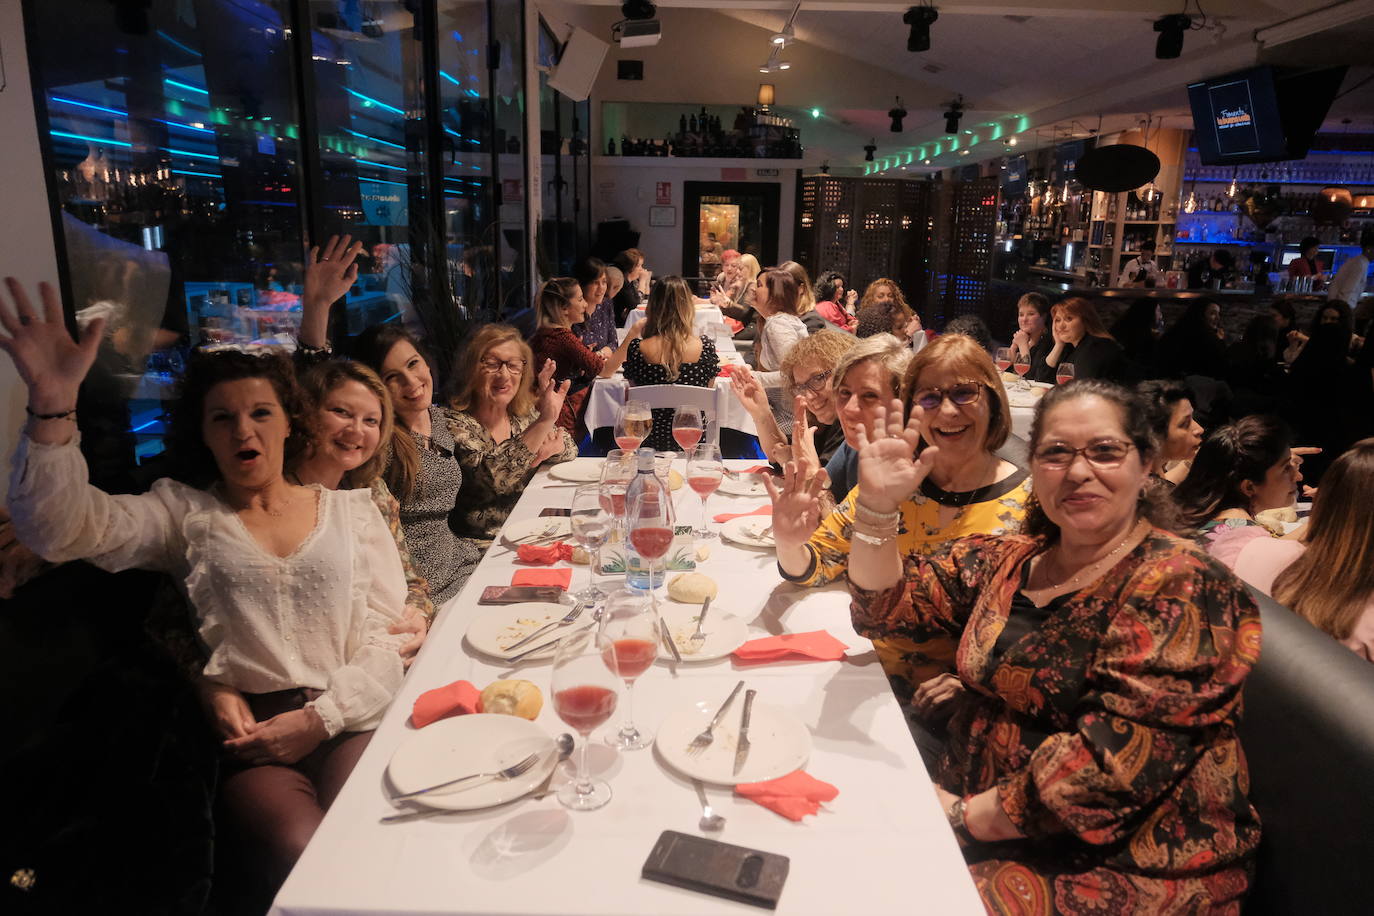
870	149
896	113
956	111
1171	28
638	9
919	18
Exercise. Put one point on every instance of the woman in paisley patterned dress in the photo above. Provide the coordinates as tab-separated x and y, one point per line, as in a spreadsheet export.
1092	764
969	491
505	418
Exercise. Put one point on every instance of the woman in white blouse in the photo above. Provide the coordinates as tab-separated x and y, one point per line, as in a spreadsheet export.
293	587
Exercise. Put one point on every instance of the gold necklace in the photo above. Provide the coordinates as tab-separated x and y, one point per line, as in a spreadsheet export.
1130	535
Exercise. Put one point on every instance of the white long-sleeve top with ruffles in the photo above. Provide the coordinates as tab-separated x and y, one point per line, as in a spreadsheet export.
317	618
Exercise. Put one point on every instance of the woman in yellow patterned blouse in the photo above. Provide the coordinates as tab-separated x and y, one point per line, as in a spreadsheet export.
504	428
969	490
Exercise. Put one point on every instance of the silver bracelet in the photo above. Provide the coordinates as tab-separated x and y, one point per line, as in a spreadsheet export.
873	540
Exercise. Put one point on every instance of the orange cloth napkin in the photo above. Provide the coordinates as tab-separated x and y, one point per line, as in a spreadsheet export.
545	555
761	510
558	578
757	469
793	796
817	644
726	369
734	325
457	699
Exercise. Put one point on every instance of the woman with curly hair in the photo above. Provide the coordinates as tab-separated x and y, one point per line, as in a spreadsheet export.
883	310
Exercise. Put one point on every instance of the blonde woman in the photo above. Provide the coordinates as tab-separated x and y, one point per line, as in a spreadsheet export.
671	353
505	427
807	371
806	298
737	300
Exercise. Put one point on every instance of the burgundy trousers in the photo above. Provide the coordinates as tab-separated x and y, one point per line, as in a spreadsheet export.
275	808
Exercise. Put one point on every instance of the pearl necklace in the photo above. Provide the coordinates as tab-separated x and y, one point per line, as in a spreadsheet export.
1130	536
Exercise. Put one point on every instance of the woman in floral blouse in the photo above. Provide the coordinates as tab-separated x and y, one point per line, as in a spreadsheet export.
1092	764
504	428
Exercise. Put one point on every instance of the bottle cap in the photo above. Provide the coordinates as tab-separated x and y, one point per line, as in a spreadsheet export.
645	459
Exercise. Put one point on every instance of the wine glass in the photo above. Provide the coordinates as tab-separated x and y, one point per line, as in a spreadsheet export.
1021	367
704	472
591	525
650	517
687	428
584	688
1003	359
631	627
633	423
1063	374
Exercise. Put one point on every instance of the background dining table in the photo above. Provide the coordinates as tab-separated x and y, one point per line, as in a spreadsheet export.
881	846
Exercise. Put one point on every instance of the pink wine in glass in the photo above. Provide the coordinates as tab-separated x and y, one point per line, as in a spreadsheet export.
614	501
704	486
687	436
585	707
1022	369
651	543
633	656
1003	365
1063	379
628	443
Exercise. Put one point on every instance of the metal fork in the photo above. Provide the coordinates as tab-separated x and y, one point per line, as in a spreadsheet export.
567	618
702	741
510	772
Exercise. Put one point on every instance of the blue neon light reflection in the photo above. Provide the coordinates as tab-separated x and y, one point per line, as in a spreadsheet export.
78	104
105	140
371	101
373	139
187	86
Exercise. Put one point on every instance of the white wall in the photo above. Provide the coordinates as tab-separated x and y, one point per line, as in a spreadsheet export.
625	191
26	242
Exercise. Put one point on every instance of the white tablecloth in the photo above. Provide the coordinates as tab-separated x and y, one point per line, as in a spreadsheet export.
705	316
882	844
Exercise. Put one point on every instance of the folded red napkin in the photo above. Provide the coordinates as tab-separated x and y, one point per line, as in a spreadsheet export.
793	796
546	555
558	578
726	369
817	644
762	510
457	699
734	325
757	469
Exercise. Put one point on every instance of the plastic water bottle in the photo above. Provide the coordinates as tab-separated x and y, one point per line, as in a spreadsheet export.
638	571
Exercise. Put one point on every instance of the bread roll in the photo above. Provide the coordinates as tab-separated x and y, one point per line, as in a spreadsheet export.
581	556
691	588
512	698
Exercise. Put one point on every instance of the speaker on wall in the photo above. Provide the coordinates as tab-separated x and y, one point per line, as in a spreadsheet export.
578	65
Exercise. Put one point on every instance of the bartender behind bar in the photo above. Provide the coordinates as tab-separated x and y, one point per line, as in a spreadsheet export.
1141	270
1214	273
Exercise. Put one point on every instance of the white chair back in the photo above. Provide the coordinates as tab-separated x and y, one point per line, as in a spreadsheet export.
710	401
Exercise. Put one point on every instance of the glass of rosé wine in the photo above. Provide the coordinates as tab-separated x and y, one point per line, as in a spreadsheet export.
704	472
585	688
630	625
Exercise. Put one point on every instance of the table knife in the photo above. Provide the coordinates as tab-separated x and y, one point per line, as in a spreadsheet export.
668	640
742	745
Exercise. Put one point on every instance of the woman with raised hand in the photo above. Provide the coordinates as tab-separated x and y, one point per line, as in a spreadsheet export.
963	419
505	427
293	587
1092	758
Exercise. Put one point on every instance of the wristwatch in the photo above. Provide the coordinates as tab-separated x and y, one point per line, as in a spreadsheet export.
958	822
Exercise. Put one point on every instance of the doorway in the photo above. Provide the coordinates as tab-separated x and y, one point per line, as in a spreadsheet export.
721	215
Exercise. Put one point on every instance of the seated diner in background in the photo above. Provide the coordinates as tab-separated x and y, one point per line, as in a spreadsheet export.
1170	408
670	353
1081	340
505	427
293	587
1241	470
1092	763
560	306
832	303
883	310
1032	341
735	300
598	329
961	417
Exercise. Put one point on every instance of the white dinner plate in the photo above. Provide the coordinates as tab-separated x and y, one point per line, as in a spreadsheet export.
724	632
474	743
743	485
579	470
535	528
747	531
1020	397
496	629
778	742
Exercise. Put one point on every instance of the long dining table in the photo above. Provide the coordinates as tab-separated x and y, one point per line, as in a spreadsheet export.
882	845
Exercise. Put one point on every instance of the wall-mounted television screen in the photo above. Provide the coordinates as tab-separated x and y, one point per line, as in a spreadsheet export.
1261	114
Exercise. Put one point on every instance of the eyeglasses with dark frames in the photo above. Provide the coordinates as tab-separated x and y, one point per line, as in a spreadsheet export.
1104	453
815	384
960	395
493	365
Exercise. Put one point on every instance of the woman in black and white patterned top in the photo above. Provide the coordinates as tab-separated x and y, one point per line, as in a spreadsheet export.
670	353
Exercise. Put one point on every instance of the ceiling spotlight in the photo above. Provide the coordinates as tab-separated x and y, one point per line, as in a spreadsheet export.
783	38
825	167
870	149
956	111
965	152
919	18
896	113
1011	141
638	9
784	65
1171	28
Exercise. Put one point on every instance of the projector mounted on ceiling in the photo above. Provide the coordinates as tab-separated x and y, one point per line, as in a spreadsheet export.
640	33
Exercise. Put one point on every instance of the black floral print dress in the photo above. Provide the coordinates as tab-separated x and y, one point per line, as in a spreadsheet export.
639	371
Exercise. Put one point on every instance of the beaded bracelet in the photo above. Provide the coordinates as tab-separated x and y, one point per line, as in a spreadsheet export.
873	517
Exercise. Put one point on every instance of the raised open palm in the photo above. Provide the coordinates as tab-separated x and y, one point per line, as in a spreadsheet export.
51	364
748	390
889	471
796	504
551	394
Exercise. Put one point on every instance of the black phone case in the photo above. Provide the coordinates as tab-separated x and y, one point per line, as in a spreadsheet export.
554	512
720	869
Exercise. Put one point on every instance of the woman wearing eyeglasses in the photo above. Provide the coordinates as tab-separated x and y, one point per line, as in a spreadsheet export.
1092	763
969	490
504	427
